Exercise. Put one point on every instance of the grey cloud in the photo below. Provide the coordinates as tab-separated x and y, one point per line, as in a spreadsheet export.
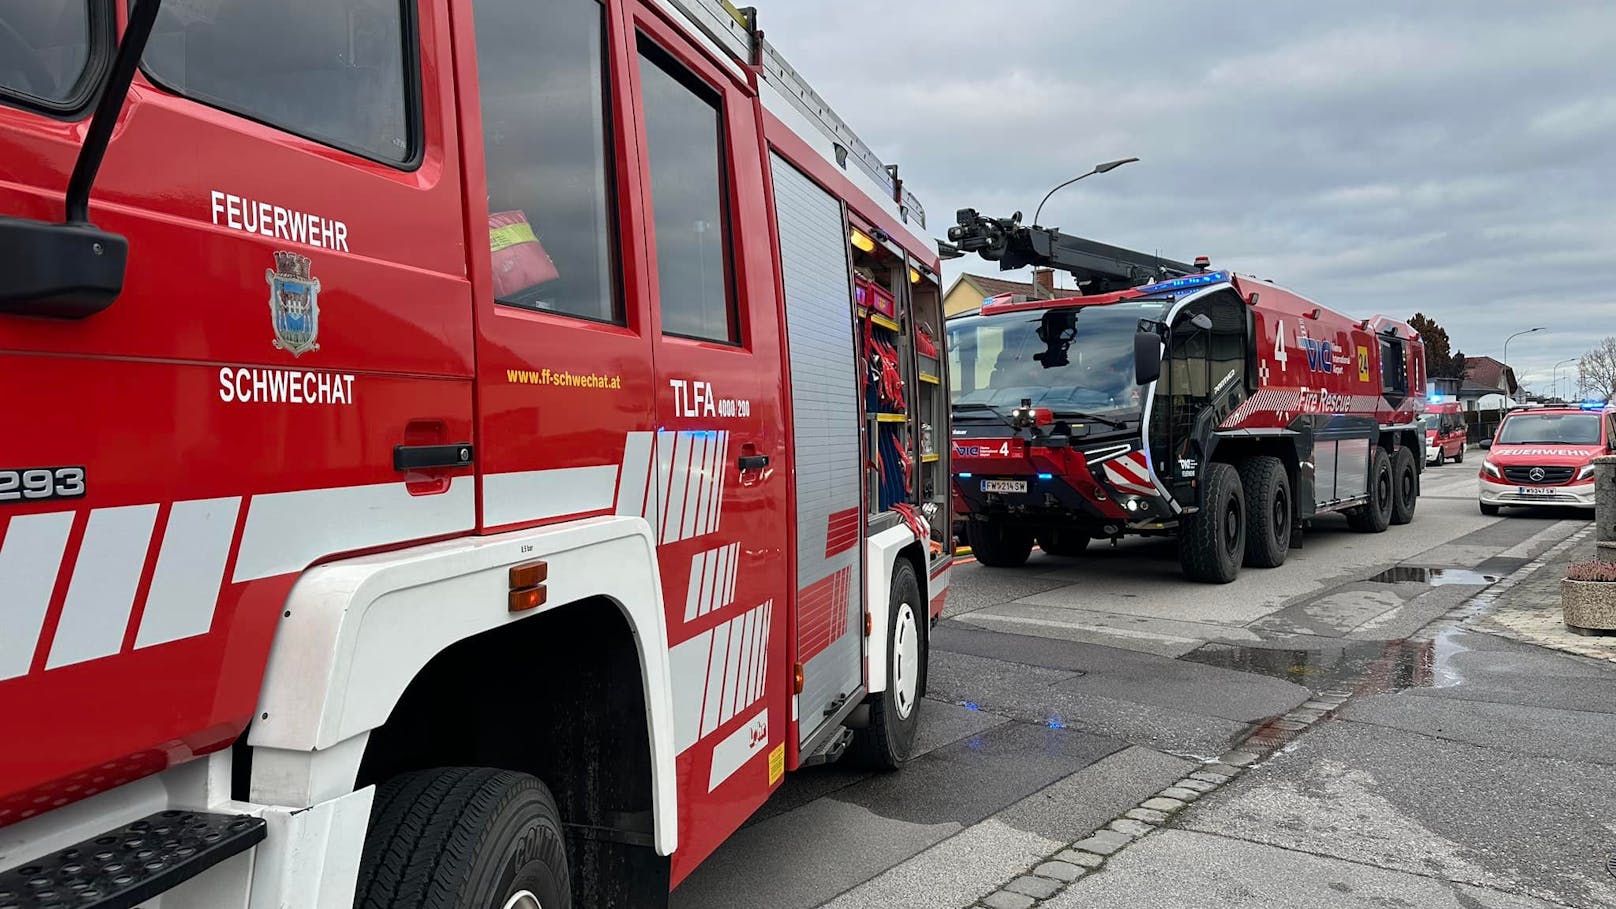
1456	157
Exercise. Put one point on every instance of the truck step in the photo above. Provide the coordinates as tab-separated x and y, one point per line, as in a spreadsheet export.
129	865
830	751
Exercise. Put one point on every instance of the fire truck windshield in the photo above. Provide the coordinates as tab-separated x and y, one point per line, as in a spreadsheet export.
1067	359
1549	428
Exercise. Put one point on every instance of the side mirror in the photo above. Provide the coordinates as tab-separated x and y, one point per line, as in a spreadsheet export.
1147	357
1485	443
1202	321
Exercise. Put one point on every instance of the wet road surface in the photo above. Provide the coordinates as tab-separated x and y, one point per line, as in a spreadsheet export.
1066	692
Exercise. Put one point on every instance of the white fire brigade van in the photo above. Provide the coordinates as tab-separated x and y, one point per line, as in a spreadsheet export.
456	454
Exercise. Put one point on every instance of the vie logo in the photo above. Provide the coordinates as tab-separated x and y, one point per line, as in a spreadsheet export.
758	733
1320	355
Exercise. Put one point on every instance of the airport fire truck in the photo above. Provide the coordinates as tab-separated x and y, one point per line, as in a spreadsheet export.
1172	399
456	454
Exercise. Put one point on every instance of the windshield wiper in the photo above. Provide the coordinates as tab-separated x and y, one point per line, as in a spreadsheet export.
985	409
1082	415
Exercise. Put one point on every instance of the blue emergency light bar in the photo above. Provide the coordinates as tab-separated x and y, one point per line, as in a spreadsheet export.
1184	283
1595	405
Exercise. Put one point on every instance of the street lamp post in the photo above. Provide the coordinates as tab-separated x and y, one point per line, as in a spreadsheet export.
1098	169
1509	395
1557	375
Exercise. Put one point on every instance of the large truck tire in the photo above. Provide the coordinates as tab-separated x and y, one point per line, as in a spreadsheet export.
1212	541
889	740
1406	486
1267	487
1066	542
463	838
999	544
1375	515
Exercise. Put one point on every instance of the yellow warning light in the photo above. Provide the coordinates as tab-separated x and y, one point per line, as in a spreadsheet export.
914	276
862	240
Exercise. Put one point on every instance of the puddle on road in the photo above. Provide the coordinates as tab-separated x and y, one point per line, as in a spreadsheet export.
1436	577
1369	667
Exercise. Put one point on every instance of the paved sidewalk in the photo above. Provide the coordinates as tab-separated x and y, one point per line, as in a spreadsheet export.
1530	611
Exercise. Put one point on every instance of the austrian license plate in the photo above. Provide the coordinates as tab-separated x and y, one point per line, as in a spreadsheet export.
1535	491
1004	485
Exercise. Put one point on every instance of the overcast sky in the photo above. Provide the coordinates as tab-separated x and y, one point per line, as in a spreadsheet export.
1455	157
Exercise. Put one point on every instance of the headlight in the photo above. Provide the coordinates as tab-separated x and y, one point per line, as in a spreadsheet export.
1491	468
1586	472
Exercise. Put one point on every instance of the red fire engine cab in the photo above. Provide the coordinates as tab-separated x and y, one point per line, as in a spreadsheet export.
456	453
1172	400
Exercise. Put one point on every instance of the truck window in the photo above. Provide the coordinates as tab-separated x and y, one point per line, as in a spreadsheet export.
683	138
551	231
328	70
45	52
1393	366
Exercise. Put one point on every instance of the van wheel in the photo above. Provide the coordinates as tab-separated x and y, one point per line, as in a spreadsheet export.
1212	541
1065	542
1441	457
1375	515
1268	523
889	740
1407	486
1459	458
463	838
1490	511
999	544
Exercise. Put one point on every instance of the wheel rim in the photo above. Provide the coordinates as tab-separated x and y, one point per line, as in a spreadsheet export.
905	661
1282	516
1408	486
523	899
1231	526
1383	490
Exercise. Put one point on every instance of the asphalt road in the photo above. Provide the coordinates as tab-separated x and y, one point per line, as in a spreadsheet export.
1068	691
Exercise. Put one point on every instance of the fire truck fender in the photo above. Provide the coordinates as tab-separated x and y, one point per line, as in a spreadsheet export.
885	549
356	632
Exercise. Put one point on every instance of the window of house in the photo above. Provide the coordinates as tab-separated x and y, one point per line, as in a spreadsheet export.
46	50
541	68
335	71
684	141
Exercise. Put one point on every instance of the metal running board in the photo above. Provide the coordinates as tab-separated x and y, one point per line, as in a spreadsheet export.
736	31
834	747
132	864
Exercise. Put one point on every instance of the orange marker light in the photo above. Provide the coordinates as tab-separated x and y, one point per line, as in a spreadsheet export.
869	624
797	680
527	598
529	574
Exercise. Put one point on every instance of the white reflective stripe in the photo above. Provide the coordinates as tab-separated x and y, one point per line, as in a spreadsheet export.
687	667
732	671
709	580
678	487
695	596
717	659
535	495
190	568
729	582
743	664
287	531
699	443
30	560
737	748
716	489
636	474
664	468
105	579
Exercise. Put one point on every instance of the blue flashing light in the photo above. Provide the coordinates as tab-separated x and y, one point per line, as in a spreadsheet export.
1594	405
1436	399
1046	476
1186	282
964	476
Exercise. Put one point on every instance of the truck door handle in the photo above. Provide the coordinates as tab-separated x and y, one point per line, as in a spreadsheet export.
753	462
425	457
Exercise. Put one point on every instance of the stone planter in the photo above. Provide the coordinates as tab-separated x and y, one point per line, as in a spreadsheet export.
1589	606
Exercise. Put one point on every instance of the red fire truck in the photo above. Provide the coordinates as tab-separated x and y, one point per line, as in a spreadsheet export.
1172	399
457	454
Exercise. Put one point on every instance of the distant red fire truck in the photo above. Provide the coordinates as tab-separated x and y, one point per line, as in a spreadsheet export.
1172	399
458	454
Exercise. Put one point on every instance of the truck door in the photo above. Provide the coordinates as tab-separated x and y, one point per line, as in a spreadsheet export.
295	308
713	474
